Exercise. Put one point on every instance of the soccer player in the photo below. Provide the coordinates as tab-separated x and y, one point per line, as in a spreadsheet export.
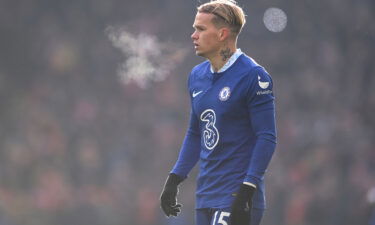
232	124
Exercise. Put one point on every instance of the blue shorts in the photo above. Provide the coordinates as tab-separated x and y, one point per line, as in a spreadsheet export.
221	216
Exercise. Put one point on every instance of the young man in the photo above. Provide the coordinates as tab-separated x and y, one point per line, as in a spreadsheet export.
232	124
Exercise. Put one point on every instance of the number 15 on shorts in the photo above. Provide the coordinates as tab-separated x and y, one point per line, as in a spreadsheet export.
221	218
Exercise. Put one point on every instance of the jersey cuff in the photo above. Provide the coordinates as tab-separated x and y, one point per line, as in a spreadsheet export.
252	180
250	184
178	174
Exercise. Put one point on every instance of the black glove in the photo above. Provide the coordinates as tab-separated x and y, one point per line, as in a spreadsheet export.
168	198
241	206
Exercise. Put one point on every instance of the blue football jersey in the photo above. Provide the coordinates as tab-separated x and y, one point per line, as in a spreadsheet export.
231	131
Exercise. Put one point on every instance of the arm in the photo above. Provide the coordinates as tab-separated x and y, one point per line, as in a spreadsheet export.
262	113
264	127
190	150
261	110
188	157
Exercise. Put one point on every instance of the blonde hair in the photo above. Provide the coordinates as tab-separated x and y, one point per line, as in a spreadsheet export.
226	13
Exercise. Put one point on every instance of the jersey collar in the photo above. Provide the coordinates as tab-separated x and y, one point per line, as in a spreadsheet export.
230	62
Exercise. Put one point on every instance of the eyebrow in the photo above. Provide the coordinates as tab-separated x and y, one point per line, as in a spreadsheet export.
198	26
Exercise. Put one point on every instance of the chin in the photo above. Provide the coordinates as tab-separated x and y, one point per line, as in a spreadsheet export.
199	53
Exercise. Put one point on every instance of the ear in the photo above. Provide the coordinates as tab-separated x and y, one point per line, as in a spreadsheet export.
224	33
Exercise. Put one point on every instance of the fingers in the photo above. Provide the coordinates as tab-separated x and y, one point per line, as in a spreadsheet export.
171	210
175	210
167	200
169	204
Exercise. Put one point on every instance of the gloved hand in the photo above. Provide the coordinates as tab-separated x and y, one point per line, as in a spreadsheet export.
168	198
241	206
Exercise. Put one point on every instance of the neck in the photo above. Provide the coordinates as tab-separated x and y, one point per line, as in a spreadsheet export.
222	56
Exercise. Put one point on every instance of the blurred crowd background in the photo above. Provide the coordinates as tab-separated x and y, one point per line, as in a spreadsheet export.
79	146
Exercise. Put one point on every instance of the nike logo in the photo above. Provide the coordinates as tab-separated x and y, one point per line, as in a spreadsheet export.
195	94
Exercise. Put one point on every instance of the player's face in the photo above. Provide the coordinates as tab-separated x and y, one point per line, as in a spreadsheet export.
206	36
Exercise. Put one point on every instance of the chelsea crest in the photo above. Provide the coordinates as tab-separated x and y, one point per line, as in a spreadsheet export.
224	94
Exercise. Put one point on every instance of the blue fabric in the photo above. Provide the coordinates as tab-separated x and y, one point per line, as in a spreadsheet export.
231	132
212	216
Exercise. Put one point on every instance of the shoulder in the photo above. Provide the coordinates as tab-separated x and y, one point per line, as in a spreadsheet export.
248	61
199	71
251	70
256	80
201	68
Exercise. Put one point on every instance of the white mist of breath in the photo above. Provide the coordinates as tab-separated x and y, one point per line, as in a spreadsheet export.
146	58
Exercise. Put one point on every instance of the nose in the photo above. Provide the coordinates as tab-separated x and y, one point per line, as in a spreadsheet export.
194	35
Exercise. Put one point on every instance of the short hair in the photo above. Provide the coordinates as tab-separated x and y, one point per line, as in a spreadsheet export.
226	13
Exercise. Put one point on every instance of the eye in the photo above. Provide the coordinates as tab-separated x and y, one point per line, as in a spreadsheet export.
198	28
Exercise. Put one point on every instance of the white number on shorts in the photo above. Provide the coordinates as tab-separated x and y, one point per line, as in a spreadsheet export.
221	218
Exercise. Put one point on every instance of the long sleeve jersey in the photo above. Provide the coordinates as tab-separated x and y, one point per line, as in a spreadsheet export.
231	131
